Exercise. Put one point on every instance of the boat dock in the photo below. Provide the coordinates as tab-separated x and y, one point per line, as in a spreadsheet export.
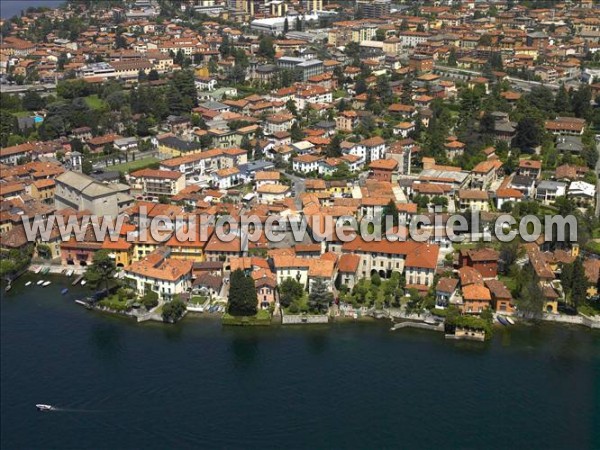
420	325
77	280
84	303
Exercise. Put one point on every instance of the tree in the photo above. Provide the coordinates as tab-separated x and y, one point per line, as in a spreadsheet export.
541	98
529	134
296	133
575	282
487	124
173	311
530	298
290	291
286	26
334	148
150	298
101	269
76	145
581	101
319	297
86	166
485	40
452	58
390	210
8	125
242	299
384	89
266	47
245	143
291	106
509	252
360	87
562	104
589	154
153	75
33	101
380	34
376	279
352	50
298	25
181	92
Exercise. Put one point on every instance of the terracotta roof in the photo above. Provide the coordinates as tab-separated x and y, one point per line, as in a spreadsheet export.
267	175
157	267
151	173
468	276
418	254
498	289
530	164
383	164
484	254
447	284
321	268
476	292
349	263
472	194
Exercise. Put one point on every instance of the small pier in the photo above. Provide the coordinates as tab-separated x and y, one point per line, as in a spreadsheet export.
419	325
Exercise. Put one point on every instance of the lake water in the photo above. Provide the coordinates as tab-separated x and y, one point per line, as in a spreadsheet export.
9	8
124	385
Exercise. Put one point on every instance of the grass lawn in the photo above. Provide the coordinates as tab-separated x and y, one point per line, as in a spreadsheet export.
134	165
198	300
22	114
593	247
509	282
114	303
467	246
262	318
94	102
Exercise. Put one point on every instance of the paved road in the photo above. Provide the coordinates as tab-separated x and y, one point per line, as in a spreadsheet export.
299	187
16	88
598	181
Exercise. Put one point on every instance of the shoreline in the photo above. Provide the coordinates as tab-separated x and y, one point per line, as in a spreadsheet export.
578	320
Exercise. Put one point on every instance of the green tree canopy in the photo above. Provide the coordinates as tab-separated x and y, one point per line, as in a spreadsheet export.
319	297
242	299
101	270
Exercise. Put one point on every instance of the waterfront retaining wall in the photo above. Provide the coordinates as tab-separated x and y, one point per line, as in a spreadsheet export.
580	319
303	319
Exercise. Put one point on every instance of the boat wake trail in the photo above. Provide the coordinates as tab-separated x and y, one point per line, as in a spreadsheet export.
74	410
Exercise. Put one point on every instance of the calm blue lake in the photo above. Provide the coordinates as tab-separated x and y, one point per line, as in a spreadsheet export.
199	385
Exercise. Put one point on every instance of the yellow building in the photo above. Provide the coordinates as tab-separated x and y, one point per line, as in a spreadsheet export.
172	147
193	249
141	249
43	190
364	33
121	251
338	188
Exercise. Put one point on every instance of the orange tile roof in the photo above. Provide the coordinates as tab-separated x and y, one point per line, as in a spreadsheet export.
476	292
349	263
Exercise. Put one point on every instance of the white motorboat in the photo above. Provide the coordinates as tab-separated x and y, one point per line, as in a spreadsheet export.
28	283
39	282
509	320
42	407
83	282
46	283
